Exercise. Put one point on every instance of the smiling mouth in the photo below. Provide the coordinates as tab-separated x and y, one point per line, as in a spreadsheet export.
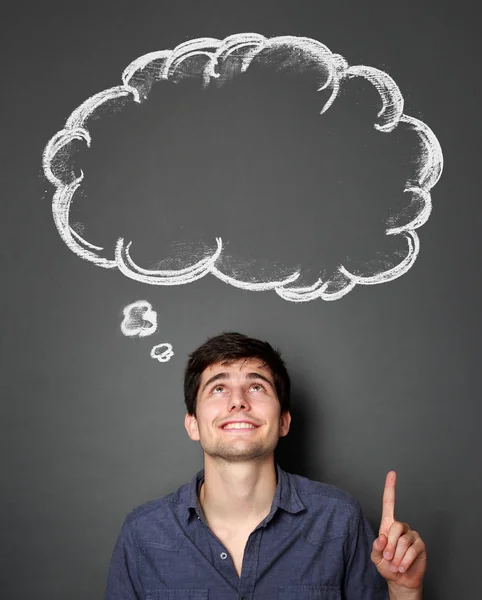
239	427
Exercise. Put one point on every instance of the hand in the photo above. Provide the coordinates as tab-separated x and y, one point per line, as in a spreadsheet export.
398	553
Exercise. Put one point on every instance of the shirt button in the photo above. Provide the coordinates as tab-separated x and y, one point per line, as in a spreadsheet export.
224	556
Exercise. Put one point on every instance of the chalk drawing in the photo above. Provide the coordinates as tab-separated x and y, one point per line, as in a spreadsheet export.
139	319
206	58
161	355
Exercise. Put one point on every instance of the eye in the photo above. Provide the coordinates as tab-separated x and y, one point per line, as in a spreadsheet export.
257	387
218	389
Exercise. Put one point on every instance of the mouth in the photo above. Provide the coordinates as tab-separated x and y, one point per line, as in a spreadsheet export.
243	426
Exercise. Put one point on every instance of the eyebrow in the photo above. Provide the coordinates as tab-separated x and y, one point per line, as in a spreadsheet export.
249	376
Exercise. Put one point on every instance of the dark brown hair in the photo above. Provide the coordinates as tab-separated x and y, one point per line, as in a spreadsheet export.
229	347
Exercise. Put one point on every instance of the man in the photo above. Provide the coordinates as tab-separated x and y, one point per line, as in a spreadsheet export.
244	529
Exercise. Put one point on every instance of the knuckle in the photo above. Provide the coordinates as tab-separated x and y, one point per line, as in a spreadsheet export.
398	527
419	543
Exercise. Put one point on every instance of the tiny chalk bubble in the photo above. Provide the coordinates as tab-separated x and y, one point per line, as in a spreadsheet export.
162	352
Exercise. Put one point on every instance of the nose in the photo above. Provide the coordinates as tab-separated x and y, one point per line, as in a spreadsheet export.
238	400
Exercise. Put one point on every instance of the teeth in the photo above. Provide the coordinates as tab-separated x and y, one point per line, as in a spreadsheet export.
239	426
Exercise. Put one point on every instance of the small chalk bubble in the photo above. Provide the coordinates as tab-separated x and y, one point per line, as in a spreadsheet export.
162	352
139	319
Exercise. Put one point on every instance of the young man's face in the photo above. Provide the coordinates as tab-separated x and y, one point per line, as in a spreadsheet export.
238	414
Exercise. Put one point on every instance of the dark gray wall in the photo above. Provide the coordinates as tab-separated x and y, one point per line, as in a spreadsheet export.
387	377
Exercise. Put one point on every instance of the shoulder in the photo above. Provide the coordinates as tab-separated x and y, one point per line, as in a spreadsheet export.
157	506
311	491
160	522
330	512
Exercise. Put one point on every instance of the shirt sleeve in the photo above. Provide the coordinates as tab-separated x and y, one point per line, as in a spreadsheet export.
362	580
123	581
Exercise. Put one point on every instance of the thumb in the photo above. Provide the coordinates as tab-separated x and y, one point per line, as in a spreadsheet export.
378	547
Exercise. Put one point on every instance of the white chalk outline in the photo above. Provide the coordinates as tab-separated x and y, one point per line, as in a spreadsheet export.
150	315
138	79
164	356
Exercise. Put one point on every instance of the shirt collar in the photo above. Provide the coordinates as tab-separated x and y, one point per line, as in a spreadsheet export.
285	497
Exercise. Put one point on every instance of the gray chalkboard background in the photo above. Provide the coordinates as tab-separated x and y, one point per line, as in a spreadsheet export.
387	377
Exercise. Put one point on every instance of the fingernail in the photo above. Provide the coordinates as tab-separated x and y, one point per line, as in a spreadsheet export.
387	555
401	569
394	569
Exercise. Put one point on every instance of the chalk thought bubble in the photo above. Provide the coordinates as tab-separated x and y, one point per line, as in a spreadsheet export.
139	319
216	61
162	352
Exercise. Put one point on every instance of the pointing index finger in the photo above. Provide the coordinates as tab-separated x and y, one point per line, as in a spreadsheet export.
388	506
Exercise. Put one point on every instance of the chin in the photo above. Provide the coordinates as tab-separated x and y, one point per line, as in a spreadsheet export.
231	453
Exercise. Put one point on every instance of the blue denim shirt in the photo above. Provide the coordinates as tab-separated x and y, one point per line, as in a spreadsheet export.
315	544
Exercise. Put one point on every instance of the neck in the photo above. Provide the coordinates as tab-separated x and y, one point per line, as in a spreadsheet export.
237	493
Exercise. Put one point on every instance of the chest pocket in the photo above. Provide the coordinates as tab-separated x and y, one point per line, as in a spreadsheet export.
309	592
184	594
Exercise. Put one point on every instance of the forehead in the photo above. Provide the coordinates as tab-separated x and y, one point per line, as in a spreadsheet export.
237	367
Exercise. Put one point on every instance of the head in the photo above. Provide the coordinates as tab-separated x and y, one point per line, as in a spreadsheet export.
237	395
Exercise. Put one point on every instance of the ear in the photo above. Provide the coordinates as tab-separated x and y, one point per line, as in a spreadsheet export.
190	423
285	420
